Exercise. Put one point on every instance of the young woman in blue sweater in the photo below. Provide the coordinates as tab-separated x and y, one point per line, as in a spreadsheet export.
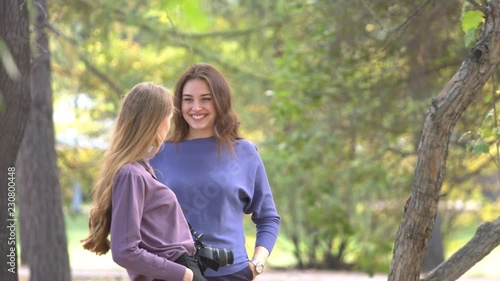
218	176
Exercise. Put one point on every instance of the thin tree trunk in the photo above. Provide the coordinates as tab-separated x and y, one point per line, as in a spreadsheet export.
41	193
446	109
14	111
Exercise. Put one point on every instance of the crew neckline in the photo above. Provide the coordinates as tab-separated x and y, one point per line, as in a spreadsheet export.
199	139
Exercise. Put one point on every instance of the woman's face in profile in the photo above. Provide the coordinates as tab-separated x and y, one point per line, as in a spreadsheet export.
165	126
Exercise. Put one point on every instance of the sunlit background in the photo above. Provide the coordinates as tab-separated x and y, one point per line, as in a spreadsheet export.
334	93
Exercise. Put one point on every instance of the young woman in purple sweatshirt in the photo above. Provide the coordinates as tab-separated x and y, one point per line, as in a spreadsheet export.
218	176
150	236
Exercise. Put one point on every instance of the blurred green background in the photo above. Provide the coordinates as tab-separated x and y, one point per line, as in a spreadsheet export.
334	93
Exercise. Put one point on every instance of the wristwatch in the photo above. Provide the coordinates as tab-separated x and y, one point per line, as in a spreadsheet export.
259	267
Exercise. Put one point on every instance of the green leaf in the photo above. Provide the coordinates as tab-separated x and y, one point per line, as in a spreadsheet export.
470	37
496	132
8	62
471	20
487	132
468	146
480	147
488	117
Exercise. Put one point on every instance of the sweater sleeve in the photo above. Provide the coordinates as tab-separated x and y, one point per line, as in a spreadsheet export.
263	209
128	200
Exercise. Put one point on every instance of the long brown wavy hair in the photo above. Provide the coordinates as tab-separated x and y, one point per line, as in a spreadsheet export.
134	137
226	122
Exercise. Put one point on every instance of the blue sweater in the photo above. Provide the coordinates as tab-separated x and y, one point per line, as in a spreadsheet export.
215	192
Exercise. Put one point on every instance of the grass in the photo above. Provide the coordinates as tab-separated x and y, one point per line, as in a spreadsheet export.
80	258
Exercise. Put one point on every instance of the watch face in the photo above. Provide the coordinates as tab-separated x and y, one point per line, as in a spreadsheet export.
259	268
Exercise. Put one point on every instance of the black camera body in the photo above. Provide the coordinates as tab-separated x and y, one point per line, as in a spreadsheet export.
211	257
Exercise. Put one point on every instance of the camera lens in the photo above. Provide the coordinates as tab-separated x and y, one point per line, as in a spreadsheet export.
223	256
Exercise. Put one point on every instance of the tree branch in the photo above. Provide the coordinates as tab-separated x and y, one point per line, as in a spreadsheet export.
179	39
405	23
414	14
486	239
478	6
116	89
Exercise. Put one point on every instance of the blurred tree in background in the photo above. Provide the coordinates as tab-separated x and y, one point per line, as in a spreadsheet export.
42	226
334	93
14	109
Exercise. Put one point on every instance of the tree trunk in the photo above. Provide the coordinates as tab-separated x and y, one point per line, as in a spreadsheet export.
39	183
446	109
14	89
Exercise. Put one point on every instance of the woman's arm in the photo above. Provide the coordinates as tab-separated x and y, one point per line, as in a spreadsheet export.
265	217
263	210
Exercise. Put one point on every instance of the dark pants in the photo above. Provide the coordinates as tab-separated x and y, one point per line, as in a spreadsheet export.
243	275
192	263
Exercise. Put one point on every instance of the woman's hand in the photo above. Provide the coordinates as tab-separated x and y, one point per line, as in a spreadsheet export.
188	276
261	254
254	272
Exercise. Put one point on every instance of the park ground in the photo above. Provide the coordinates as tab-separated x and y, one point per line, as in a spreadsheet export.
271	275
89	267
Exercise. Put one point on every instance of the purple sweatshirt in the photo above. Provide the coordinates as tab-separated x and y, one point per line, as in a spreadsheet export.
215	193
148	228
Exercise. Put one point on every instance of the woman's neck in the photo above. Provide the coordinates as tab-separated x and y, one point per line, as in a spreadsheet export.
199	135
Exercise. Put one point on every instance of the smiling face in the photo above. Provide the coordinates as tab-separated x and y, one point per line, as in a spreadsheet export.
198	109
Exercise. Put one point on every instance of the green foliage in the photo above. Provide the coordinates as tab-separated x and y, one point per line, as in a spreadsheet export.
191	15
480	147
78	166
479	141
323	128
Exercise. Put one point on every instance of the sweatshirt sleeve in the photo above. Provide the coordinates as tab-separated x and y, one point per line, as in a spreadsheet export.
263	209
128	200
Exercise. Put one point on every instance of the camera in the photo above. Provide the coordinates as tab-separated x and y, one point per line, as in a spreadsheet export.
211	257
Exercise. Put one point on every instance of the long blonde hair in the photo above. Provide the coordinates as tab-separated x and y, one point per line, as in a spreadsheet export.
134	137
